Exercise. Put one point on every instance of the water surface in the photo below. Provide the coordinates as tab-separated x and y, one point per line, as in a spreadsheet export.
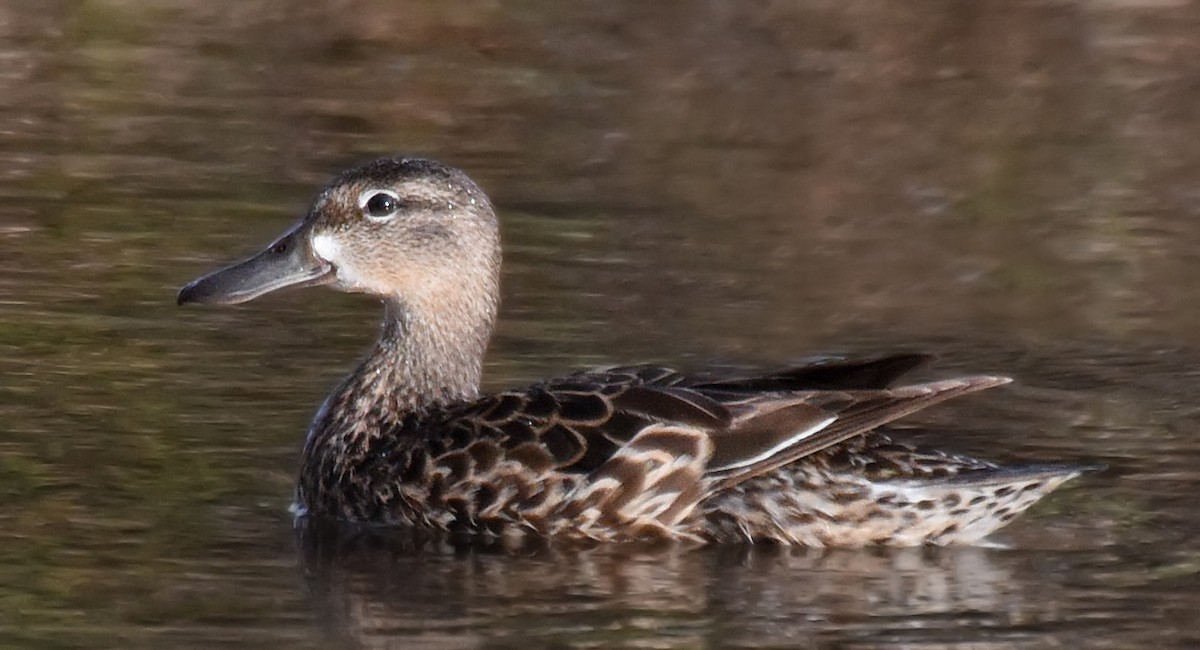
1013	186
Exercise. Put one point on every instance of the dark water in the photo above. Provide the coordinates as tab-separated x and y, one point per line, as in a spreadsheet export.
1014	186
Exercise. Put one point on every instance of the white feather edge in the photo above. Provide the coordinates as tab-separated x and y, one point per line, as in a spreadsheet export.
784	444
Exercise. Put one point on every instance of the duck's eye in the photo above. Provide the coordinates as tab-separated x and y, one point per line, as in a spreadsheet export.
379	204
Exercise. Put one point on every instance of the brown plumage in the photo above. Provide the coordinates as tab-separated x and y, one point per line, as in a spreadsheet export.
794	456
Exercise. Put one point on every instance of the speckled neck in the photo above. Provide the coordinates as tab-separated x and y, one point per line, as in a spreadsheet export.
419	363
421	360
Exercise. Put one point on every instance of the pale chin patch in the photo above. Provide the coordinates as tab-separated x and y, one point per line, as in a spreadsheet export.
327	247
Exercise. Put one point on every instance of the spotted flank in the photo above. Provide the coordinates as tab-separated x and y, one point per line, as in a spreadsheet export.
802	455
807	506
645	488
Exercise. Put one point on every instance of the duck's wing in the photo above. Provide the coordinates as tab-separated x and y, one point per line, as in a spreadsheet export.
772	431
643	444
577	423
818	373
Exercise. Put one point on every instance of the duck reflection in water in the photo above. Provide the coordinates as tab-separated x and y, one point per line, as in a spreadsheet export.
376	587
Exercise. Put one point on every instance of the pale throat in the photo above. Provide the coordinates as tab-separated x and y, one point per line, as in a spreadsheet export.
424	357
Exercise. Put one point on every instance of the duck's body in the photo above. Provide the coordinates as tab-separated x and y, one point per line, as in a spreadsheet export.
633	452
645	451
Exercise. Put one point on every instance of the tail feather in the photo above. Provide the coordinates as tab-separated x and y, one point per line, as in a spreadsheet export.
800	504
1002	475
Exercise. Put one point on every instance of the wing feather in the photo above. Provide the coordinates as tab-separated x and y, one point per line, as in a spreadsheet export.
854	413
677	405
582	423
821	373
634	449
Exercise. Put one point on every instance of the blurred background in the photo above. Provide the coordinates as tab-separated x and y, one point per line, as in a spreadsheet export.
1013	186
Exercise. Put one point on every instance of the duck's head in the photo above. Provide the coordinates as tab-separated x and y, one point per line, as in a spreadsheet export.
416	233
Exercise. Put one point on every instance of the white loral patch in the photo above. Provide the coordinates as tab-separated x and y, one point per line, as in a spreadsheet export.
328	248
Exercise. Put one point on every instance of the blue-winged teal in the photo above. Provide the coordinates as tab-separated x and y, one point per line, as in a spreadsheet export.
794	456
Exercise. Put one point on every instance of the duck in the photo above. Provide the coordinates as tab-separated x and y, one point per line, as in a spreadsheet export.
807	455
